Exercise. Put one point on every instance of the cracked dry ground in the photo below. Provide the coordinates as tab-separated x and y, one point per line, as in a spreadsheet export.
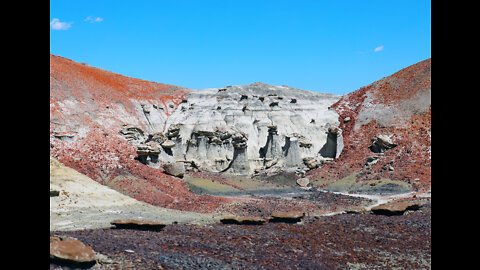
346	241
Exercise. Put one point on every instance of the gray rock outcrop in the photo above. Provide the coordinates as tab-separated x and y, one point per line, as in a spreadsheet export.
243	128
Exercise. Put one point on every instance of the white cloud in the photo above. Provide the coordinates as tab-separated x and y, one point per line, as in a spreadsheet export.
93	19
56	24
379	48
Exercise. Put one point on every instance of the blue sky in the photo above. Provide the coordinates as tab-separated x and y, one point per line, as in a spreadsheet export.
325	46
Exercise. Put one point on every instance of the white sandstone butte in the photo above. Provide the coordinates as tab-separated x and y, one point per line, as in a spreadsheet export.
243	128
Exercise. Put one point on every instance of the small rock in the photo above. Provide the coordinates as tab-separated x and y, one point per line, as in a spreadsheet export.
371	160
311	163
102	259
381	143
303	182
69	250
54	193
270	163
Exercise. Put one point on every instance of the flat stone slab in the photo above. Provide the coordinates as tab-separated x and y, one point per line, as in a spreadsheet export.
69	251
395	208
289	217
137	225
242	220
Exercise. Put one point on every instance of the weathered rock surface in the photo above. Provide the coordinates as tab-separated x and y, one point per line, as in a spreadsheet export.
240	129
242	220
176	169
395	208
381	143
69	250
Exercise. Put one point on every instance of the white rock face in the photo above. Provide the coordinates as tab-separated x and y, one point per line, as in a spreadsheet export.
241	128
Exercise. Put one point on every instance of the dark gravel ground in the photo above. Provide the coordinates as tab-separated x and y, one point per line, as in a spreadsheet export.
347	241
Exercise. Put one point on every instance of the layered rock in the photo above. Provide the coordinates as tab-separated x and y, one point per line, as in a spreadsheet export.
166	123
239	164
281	124
240	129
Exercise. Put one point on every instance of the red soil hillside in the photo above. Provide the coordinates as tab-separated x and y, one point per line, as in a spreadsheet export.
399	106
88	106
79	92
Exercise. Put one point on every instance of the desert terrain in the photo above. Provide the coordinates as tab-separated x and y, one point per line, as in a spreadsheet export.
146	175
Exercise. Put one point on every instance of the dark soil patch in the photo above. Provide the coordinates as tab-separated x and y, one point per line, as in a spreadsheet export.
336	242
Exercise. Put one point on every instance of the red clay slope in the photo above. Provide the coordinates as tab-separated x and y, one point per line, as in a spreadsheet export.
82	93
397	105
89	105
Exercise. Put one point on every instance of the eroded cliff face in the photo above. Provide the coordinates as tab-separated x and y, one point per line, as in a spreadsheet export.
246	128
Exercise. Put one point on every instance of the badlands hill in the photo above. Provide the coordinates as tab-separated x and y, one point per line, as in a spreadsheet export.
120	131
397	108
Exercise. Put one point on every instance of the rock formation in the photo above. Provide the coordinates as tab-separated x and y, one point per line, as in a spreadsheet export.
390	118
101	121
241	129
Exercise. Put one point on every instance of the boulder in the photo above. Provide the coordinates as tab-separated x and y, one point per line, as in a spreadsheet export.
148	148
137	224
381	143
371	160
68	250
176	169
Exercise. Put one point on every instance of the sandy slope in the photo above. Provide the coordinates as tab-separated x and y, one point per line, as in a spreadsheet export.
86	204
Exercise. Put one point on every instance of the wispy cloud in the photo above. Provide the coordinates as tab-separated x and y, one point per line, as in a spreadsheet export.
56	24
379	48
93	19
